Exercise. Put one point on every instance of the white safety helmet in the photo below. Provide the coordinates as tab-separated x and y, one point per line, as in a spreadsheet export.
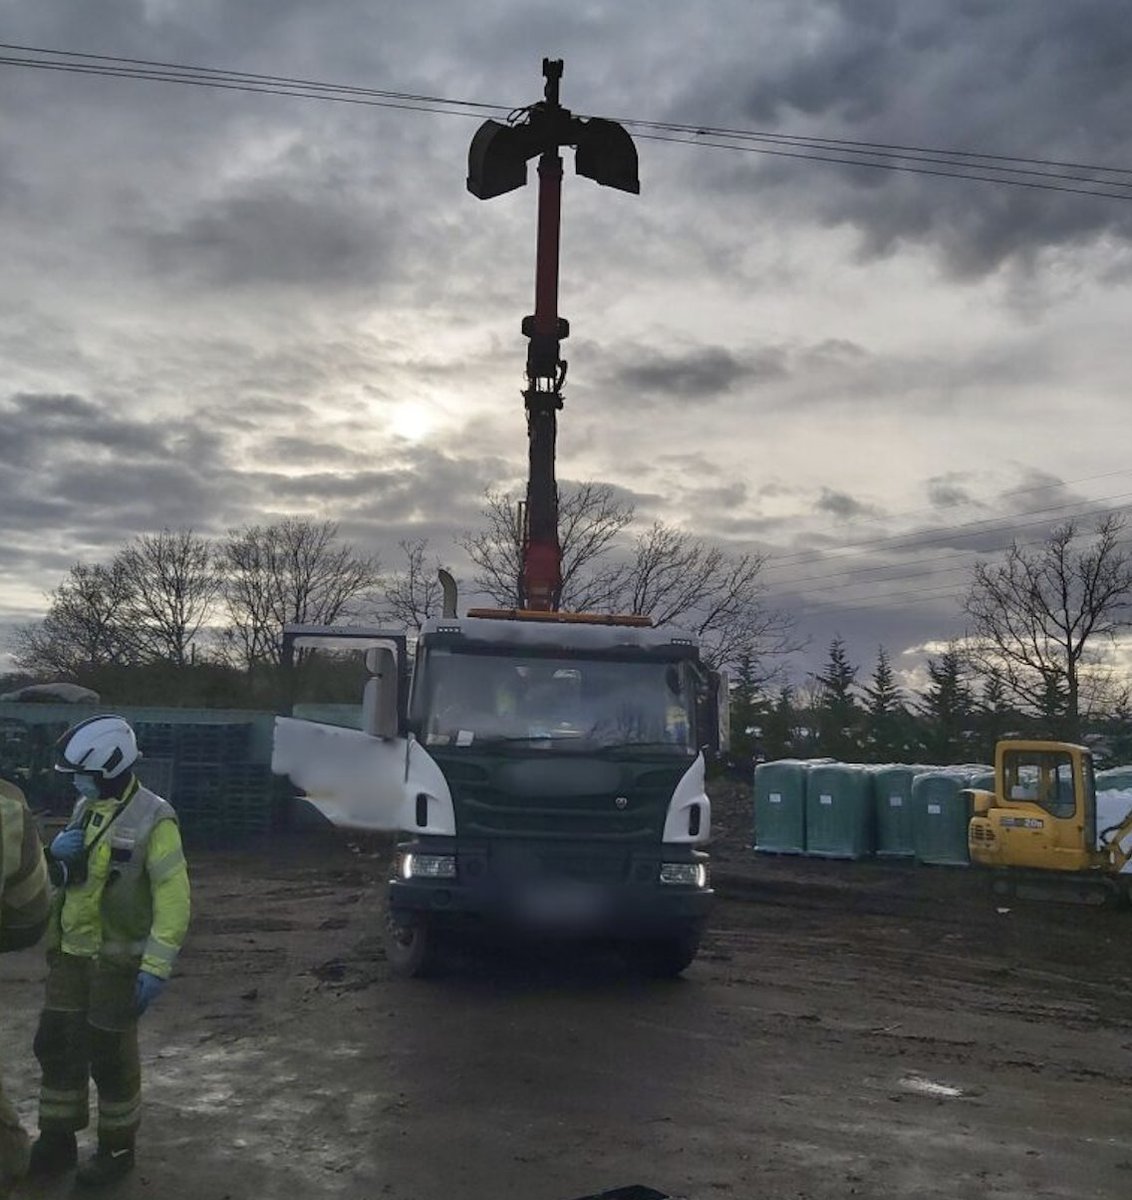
103	745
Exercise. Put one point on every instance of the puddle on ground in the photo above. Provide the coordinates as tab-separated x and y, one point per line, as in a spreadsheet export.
928	1087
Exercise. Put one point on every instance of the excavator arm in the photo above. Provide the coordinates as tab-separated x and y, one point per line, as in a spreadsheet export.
1112	842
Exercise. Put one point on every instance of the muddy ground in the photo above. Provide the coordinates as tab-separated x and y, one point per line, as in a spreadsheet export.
850	1029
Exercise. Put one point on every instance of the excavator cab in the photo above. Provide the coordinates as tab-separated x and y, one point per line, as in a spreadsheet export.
1043	813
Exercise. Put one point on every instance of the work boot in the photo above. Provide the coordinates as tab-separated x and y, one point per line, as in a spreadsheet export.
52	1153
104	1167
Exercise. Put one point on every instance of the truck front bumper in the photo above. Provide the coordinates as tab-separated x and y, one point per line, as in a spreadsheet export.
637	905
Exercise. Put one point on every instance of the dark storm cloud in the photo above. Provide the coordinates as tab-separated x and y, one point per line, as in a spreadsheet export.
948	491
842	505
303	451
1039	491
1038	80
36	425
702	374
274	239
425	484
76	463
65	499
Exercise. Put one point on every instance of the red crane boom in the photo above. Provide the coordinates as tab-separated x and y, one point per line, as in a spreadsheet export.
497	163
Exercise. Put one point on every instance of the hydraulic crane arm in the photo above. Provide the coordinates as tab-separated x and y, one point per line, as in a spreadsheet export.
1112	843
497	163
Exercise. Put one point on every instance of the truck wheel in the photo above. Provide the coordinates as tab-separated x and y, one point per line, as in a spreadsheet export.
664	958
412	946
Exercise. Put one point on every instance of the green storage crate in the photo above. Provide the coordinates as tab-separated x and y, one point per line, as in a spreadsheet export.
839	812
940	816
892	806
780	807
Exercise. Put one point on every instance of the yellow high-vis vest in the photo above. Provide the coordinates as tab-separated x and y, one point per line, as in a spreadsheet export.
135	901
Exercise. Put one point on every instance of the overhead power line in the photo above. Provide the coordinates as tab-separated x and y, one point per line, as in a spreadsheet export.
1044	174
872	147
862	161
220	73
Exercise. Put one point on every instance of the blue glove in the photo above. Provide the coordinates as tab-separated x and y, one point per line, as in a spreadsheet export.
68	845
148	988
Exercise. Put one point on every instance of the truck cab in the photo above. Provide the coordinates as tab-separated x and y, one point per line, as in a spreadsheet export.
546	775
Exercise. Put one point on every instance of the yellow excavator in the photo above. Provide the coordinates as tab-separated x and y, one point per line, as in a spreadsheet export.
1038	829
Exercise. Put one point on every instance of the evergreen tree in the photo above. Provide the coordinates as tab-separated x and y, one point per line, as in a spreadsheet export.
946	710
994	718
779	738
885	721
838	716
745	708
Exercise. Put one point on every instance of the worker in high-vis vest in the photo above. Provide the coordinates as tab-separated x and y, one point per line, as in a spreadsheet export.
24	901
119	918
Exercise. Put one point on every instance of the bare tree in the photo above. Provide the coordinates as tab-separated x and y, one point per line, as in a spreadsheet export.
1039	618
668	575
173	586
293	571
677	578
412	595
590	519
87	625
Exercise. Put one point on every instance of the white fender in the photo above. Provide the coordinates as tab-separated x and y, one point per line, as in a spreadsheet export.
361	782
688	794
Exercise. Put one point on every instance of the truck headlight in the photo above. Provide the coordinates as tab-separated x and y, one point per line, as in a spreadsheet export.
686	874
428	866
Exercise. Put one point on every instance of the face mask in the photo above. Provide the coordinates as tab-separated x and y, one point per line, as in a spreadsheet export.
86	786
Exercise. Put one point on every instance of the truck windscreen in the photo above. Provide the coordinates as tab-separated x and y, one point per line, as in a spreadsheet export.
572	704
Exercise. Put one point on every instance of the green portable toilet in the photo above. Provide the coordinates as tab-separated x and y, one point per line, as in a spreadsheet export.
982	781
940	816
839	812
892	805
1115	779
780	807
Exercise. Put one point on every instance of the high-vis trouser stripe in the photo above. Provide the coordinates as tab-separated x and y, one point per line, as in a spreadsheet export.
63	1097
63	1105
120	1115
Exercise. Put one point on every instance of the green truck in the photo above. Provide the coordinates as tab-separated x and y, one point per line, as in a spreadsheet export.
545	772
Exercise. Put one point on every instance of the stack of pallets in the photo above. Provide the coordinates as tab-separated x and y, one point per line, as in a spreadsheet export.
216	791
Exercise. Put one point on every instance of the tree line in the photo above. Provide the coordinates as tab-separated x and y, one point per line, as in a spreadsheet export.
176	617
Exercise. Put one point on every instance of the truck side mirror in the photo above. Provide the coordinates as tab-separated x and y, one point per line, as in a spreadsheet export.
713	713
379	699
722	683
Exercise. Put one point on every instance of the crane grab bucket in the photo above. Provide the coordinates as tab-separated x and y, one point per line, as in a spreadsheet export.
497	161
606	155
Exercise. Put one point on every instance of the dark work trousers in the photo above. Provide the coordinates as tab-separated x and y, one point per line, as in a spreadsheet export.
89	1030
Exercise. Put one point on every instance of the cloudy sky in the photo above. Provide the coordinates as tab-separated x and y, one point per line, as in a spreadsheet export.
220	307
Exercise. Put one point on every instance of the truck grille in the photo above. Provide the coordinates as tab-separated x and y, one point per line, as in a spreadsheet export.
613	802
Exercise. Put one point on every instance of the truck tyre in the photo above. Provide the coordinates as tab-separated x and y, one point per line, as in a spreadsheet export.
663	958
412	946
